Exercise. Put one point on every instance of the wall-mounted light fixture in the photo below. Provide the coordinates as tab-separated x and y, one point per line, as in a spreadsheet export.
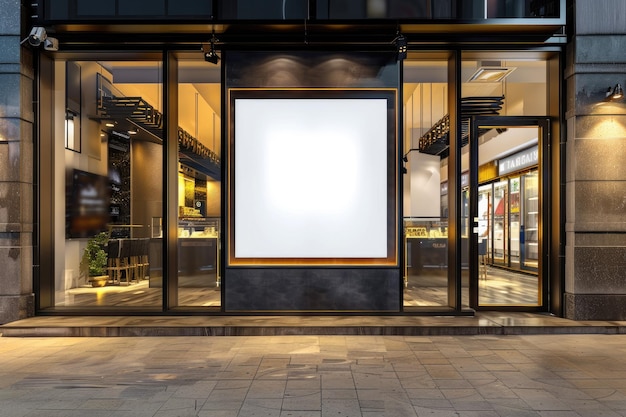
405	160
615	93
72	130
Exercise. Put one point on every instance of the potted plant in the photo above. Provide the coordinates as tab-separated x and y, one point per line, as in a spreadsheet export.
94	260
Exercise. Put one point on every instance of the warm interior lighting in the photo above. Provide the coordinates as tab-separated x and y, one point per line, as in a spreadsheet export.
69	130
490	74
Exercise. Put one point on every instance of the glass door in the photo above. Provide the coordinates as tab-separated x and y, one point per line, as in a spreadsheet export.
505	263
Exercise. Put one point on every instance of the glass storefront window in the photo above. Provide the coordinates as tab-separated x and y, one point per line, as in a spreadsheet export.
493	84
199	183
425	197
106	253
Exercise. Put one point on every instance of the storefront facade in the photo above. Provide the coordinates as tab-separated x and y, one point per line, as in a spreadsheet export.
290	158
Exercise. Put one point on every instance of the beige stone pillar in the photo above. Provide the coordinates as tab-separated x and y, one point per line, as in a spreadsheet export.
595	269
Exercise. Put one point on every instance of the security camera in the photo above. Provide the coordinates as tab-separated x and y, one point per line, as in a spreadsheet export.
37	35
51	44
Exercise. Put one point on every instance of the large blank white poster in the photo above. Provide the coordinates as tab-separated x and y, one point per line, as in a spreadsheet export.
310	178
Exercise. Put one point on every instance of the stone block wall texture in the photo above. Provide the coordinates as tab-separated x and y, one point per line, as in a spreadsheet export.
16	167
595	281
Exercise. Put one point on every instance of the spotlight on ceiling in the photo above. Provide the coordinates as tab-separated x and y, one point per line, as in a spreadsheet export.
401	46
210	55
37	35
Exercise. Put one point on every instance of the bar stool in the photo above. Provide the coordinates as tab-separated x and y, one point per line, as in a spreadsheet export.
144	258
117	261
125	261
139	258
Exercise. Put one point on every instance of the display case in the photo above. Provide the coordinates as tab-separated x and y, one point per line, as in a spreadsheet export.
514	222
530	255
198	248
426	243
510	210
501	223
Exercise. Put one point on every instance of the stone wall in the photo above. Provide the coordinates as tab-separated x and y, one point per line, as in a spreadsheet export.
595	270
16	168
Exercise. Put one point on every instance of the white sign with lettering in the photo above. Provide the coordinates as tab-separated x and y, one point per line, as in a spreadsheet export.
518	161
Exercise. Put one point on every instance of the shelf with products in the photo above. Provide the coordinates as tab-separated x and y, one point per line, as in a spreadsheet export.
190	227
425	228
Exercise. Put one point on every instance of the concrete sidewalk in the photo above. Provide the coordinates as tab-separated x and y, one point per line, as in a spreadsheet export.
314	376
491	323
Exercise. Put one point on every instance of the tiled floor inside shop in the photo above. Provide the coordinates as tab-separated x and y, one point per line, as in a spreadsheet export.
315	376
427	288
497	285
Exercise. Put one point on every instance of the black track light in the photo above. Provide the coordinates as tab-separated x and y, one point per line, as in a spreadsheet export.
401	46
210	55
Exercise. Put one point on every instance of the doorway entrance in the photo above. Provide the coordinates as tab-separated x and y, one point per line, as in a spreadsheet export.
507	204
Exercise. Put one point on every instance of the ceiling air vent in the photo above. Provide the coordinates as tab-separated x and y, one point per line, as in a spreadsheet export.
490	72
